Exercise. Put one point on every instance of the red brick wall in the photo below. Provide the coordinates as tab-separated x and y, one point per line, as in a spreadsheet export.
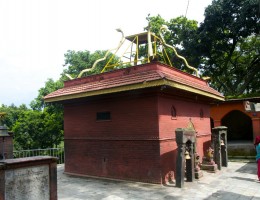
185	111
128	160
133	117
124	147
138	143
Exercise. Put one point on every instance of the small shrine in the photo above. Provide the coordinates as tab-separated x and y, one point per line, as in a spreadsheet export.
6	140
121	123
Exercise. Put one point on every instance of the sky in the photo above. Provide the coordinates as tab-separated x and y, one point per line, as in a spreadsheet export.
35	35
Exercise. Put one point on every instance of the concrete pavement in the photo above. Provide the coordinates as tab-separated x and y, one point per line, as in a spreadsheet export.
237	181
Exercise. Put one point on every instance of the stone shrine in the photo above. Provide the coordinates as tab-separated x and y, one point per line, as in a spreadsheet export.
6	140
28	178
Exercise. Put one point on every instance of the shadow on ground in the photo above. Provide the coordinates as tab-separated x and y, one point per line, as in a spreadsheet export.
250	168
245	179
220	194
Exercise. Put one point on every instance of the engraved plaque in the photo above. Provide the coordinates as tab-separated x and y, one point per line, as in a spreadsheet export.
27	183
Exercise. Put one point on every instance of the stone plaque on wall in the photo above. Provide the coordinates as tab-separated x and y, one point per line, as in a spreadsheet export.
32	178
27	183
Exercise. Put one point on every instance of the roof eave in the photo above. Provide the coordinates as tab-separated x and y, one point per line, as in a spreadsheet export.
146	84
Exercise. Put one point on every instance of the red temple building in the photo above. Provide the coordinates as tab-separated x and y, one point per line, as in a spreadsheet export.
241	116
121	124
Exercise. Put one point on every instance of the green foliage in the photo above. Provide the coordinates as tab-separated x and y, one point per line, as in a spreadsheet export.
155	23
50	86
33	128
37	129
229	46
224	47
13	113
42	125
76	61
182	36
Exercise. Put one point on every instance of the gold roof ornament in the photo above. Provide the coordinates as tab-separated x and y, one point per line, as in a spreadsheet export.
101	59
165	28
155	47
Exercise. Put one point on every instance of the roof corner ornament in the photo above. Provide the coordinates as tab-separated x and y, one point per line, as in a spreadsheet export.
101	59
164	28
69	76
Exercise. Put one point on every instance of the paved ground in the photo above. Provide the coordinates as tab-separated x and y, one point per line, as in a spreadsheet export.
237	181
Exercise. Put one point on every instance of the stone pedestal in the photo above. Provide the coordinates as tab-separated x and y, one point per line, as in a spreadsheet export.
219	143
209	167
29	178
207	162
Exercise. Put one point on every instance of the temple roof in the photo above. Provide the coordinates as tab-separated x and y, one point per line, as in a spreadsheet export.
137	77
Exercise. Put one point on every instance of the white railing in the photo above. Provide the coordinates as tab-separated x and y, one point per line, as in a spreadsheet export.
55	152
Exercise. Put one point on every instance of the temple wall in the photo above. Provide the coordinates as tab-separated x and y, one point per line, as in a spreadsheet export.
137	143
124	147
218	111
185	110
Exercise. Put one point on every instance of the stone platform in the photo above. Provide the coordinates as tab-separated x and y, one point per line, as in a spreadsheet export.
238	181
241	149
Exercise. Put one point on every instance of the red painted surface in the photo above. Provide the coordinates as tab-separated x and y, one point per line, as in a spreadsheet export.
185	111
125	147
218	111
138	142
130	76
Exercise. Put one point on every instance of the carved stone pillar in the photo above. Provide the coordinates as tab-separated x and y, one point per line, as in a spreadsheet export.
185	139
180	165
219	142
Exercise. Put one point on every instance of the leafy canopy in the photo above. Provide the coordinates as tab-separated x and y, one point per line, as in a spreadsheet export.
229	45
224	47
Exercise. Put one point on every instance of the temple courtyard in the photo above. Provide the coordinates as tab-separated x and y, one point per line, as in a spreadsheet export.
237	181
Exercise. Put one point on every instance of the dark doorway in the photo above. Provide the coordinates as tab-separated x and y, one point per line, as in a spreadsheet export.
239	126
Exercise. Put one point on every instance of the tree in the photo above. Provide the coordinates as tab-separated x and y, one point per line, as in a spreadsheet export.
13	113
229	46
182	36
50	86
36	129
225	46
50	130
76	61
42	126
